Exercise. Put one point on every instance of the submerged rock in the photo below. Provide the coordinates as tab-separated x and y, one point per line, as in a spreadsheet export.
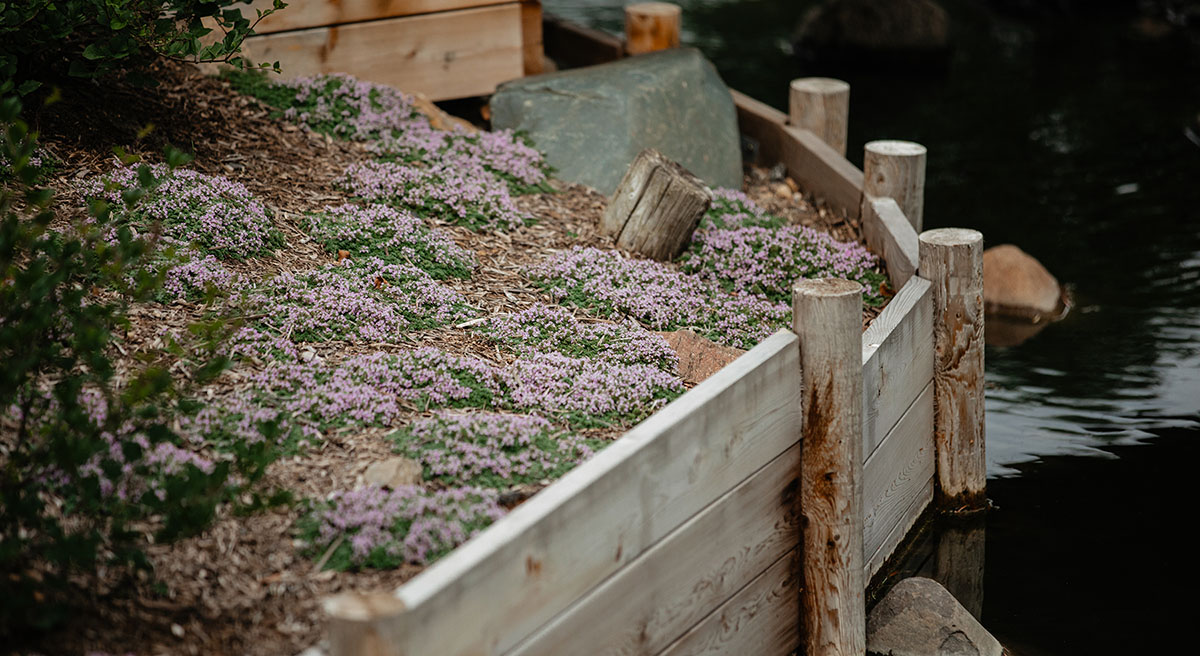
1016	285
918	617
591	122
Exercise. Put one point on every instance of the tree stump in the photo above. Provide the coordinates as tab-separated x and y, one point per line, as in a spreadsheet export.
651	26
656	207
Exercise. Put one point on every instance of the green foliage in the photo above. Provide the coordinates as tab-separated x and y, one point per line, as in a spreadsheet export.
90	469
90	38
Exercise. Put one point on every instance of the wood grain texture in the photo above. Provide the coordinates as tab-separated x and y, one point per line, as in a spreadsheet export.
826	316
889	234
821	105
573	45
686	575
760	619
652	26
898	474
444	55
897	360
656	207
952	259
574	534
303	14
896	169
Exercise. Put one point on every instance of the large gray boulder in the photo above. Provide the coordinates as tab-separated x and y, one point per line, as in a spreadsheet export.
591	122
918	617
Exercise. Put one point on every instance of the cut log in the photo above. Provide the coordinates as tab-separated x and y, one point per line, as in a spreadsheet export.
656	207
651	26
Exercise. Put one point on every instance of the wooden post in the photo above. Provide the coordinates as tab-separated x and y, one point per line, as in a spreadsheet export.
352	630
952	259
827	316
656	207
821	105
651	26
896	169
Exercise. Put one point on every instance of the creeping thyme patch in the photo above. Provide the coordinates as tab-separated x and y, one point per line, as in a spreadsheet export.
657	295
379	528
393	236
731	208
490	449
542	328
768	261
467	196
354	300
215	215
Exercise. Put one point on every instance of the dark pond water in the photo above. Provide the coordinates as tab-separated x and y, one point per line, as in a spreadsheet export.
1063	129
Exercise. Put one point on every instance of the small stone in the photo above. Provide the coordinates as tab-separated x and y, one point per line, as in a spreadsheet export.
177	630
1017	285
699	358
918	617
394	472
782	190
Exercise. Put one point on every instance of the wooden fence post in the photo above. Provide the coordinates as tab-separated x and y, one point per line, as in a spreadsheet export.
352	630
952	259
827	316
821	105
896	169
651	26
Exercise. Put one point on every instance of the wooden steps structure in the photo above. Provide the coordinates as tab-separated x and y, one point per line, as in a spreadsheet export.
747	516
440	48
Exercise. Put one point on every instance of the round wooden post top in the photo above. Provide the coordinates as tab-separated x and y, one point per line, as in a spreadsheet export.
826	288
356	607
951	237
654	9
820	85
895	148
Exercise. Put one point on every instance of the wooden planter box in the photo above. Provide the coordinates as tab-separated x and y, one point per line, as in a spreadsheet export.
440	48
684	536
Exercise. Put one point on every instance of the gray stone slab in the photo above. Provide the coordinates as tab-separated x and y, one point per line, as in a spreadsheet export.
591	122
918	617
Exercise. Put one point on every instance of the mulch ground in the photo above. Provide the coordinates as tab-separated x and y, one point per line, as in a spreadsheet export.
240	587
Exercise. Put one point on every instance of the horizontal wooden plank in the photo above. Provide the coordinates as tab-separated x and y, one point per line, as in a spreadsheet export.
531	565
814	164
889	234
446	55
898	482
304	14
762	619
897	357
573	45
656	598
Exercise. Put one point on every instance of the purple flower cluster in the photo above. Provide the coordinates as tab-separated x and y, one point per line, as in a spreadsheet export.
588	391
501	153
214	214
768	261
242	419
190	274
490	449
468	196
734	209
394	236
542	328
356	299
348	107
659	296
376	527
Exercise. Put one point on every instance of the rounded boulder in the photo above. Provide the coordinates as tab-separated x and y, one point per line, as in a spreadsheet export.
1016	285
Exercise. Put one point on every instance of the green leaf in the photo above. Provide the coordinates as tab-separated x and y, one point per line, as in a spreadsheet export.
95	51
28	86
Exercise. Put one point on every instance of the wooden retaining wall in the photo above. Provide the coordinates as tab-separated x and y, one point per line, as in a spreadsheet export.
440	48
685	535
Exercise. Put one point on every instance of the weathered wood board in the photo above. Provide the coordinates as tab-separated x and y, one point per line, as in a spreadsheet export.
760	619
444	55
897	360
573	45
656	598
560	544
898	482
889	234
303	14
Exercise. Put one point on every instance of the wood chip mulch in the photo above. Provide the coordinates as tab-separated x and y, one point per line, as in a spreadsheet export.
240	587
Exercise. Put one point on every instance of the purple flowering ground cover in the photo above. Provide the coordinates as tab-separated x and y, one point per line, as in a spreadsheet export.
394	236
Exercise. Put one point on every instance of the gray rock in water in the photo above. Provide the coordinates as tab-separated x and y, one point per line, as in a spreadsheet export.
591	122
919	617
